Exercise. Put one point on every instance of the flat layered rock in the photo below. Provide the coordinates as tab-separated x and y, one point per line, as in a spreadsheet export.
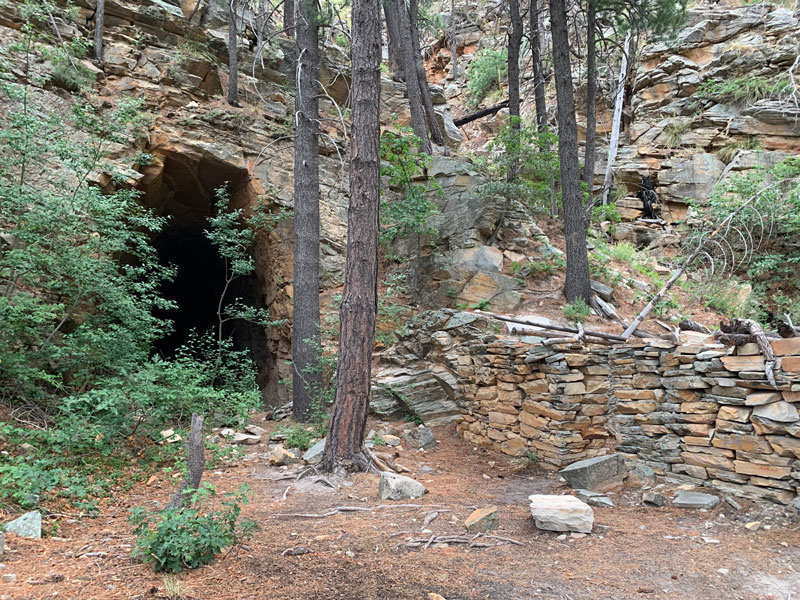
599	473
685	499
561	513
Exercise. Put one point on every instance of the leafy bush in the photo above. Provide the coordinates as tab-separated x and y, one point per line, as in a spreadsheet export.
623	252
298	435
178	538
577	311
532	156
485	73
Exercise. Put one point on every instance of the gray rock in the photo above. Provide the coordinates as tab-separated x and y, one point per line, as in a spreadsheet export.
399	487
281	456
421	437
28	525
602	290
597	474
391	440
685	499
782	411
561	513
655	499
594	498
245	439
255	430
314	454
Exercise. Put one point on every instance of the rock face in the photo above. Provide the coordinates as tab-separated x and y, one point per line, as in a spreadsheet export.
399	487
28	525
561	513
599	473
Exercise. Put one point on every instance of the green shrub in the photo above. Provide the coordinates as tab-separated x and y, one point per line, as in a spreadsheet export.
743	91
623	252
577	311
485	73
178	538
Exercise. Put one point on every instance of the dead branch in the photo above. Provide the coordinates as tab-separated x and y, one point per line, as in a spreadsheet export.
429	518
749	326
471	541
576	339
285	493
588	332
197	463
346	509
480	114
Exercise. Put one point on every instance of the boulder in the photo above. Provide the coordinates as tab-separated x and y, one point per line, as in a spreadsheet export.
686	499
314	454
399	487
28	525
561	513
597	474
421	437
482	519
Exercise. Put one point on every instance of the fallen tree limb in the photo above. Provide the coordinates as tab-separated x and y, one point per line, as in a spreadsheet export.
346	509
588	332
567	340
471	541
750	327
484	112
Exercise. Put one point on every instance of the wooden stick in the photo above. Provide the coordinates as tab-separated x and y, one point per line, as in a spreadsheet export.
484	112
567	340
197	463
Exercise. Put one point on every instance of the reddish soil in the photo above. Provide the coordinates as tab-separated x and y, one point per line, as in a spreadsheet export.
634	552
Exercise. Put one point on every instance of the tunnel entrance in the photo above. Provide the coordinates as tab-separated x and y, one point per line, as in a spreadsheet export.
184	192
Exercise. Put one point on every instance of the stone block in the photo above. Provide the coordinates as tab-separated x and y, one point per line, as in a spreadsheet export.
687	499
500	418
782	412
743	363
786	346
773	471
760	398
747	443
596	474
561	513
784	445
734	413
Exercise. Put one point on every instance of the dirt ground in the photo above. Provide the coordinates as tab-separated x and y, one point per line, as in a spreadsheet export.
634	552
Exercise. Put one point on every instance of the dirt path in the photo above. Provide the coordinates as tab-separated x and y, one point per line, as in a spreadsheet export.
635	551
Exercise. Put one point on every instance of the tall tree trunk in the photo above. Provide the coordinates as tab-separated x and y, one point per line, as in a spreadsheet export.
306	377
344	447
453	41
99	24
577	280
394	38
422	77
289	16
514	42
537	35
411	76
613	143
591	101
233	53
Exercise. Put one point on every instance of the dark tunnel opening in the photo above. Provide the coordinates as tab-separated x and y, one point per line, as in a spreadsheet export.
185	195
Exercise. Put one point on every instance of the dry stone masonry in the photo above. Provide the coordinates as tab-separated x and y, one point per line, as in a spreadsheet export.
696	412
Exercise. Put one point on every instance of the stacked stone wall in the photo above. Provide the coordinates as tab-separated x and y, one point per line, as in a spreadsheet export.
696	412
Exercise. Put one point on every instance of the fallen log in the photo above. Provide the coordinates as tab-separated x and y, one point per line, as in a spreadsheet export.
484	112
564	328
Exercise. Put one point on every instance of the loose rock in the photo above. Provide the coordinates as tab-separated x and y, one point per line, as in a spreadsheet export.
314	454
421	437
482	519
28	525
685	499
597	474
655	499
561	513
281	456
391	440
245	439
399	487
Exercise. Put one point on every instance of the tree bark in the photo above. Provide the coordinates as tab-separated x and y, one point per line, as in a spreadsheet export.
453	41
591	100
306	377
344	447
577	283
514	43
537	35
289	17
99	24
413	89
233	54
395	44
422	77
613	144
195	448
